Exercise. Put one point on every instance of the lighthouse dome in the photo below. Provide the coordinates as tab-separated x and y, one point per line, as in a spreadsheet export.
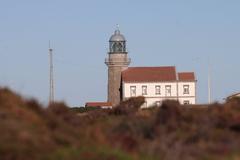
117	37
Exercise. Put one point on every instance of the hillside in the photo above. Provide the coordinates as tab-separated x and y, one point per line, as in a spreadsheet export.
171	132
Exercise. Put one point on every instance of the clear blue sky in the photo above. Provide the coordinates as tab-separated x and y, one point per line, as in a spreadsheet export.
183	33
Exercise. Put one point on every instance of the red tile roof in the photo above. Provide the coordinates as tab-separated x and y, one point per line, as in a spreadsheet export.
233	95
98	104
186	76
149	74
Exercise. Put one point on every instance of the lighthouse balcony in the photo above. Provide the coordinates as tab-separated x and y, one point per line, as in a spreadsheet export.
117	61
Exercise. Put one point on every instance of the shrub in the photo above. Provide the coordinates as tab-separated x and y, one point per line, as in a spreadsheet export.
172	131
130	106
84	109
169	113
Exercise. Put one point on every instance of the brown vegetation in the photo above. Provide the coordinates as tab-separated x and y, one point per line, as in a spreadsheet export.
28	131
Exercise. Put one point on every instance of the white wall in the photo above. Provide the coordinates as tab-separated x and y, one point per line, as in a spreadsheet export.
151	97
150	89
191	100
191	96
191	89
152	101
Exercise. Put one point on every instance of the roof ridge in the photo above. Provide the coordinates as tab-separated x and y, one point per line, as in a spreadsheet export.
153	67
187	72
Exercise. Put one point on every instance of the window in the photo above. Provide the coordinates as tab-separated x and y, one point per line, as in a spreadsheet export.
132	91
157	90
158	103
144	90
168	90
186	102
117	47
185	89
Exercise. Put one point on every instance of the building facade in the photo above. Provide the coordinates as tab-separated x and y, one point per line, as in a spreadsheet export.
154	83
159	83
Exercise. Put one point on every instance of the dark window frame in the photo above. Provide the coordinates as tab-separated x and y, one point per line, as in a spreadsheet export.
187	89
144	90
168	88
186	102
158	92
133	91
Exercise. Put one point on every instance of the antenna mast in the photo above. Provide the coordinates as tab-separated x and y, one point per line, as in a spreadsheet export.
51	81
209	83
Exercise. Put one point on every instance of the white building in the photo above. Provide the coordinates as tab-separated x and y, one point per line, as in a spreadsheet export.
157	84
154	83
236	95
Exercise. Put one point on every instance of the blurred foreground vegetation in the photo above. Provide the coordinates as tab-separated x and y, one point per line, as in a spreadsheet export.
170	132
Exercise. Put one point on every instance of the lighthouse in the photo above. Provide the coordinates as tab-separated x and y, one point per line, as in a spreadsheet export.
117	61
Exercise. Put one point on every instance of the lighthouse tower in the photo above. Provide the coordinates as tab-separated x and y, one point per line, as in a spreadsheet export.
117	61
